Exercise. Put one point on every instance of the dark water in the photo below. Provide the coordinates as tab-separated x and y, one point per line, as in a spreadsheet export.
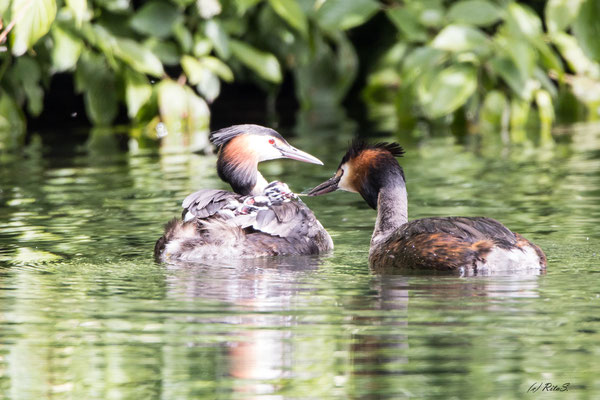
85	313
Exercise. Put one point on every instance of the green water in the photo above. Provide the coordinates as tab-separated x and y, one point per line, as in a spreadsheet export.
85	313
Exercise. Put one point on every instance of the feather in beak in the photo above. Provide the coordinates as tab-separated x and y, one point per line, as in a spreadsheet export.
328	186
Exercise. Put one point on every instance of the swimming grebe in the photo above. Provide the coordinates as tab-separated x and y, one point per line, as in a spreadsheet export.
466	244
259	219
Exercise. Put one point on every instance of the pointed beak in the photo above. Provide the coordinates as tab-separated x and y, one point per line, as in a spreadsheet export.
329	185
299	155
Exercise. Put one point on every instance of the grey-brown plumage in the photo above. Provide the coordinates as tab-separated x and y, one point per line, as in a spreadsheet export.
454	243
217	227
467	244
204	203
259	219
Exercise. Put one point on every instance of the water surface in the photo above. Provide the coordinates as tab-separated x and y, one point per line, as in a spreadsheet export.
86	313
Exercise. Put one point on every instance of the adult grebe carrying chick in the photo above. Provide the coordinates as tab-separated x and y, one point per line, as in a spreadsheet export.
467	244
259	219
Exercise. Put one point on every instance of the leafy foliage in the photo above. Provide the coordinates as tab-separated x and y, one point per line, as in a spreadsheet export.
486	63
165	60
492	63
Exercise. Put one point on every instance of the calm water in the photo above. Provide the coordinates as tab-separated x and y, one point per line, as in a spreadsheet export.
85	312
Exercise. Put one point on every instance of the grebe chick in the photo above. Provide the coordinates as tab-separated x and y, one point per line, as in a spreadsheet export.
463	244
259	219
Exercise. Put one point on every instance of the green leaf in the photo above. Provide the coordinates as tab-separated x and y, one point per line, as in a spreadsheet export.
560	14
196	68
420	60
198	111
28	73
166	51
181	109
209	86
243	6
97	82
457	38
35	18
586	90
66	49
475	12
548	56
184	37
442	93
131	52
523	20
116	6
430	12
519	113
393	55
156	18
192	68
510	74
218	67
207	82
574	55
264	64
80	10
215	32
407	23
137	91
541	76
183	3
587	28
138	57
12	123
521	53
493	108
202	45
291	12
172	103
335	15
543	100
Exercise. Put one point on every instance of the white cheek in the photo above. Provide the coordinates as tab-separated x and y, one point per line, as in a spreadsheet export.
268	152
344	183
265	150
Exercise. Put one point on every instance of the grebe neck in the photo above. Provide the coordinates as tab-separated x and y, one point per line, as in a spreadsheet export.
240	170
261	184
392	211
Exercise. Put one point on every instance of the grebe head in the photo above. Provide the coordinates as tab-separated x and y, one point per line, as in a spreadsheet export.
365	169
242	147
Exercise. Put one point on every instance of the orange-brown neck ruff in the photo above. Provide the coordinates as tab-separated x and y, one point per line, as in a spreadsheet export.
359	167
238	164
371	170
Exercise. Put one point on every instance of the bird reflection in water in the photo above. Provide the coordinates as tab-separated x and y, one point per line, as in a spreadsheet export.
258	296
267	318
385	324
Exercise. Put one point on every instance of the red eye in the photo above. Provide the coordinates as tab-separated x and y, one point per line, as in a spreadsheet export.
271	141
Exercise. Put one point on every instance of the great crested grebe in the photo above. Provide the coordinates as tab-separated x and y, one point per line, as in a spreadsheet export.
259	219
465	244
